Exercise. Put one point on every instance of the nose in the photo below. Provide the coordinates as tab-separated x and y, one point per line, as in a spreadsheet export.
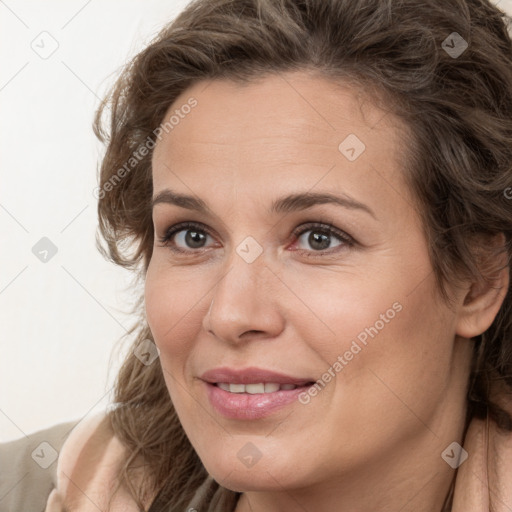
245	303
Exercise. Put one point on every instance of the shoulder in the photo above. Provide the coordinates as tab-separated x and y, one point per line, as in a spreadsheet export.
485	474
28	468
88	470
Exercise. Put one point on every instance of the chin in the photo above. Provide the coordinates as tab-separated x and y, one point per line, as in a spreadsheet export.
251	481
232	472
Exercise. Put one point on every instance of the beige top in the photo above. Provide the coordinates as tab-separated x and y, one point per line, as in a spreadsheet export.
43	472
28	469
32	479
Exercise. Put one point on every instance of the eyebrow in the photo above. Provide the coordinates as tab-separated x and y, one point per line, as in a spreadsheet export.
286	204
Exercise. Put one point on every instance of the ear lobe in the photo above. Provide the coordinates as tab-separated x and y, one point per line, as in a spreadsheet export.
484	297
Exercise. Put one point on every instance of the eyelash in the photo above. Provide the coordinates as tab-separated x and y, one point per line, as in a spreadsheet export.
327	229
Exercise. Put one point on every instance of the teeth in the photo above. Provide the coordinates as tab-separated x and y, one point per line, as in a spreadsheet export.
252	389
271	387
268	387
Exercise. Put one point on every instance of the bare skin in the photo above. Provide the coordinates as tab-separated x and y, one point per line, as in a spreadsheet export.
372	438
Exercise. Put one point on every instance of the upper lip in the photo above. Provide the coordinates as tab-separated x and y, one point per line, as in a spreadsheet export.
250	375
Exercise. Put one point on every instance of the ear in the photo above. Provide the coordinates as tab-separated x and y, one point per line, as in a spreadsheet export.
484	297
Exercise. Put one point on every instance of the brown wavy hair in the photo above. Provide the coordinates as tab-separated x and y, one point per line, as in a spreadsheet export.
459	163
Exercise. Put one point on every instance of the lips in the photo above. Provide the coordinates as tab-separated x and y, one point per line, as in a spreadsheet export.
251	393
252	375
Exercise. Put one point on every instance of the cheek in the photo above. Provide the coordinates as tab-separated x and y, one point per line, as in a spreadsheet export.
405	363
173	310
399	373
334	309
393	339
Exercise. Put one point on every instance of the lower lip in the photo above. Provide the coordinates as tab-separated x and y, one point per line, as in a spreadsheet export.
245	406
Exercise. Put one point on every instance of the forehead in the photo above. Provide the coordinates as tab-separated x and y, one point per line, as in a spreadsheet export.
278	126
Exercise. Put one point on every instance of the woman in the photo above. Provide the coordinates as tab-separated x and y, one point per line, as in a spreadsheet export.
316	197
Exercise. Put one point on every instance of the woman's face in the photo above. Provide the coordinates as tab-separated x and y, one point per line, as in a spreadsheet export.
307	259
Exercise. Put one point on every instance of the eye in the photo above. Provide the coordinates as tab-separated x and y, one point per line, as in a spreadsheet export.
320	237
185	237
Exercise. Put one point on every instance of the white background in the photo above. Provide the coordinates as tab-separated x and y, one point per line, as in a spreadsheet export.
60	320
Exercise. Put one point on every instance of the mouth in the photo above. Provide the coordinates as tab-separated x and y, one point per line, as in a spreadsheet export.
260	387
253	392
252	401
252	379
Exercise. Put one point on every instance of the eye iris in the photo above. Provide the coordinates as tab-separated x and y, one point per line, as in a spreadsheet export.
194	239
319	238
